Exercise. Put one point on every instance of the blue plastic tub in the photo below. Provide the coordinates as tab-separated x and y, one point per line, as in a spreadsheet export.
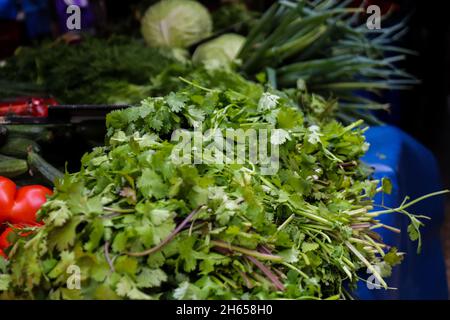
414	172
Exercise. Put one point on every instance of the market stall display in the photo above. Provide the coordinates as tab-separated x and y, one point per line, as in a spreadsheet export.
142	221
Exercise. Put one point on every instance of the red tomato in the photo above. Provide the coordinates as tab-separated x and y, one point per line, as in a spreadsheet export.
28	201
2	254
20	206
4	242
7	193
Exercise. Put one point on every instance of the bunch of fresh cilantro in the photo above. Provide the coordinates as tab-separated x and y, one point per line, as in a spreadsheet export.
135	224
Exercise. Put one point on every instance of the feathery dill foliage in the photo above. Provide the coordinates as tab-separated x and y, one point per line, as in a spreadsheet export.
115	70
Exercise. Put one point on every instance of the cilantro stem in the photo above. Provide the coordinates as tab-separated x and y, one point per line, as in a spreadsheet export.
381	225
347	272
297	210
111	215
312	216
118	210
359	211
285	223
245	251
290	266
367	263
195	85
246	279
348	262
282	226
269	274
363	225
169	237
407	205
317	231
352	126
376	245
108	258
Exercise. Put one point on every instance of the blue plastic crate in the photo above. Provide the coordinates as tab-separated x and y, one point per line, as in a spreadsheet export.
414	172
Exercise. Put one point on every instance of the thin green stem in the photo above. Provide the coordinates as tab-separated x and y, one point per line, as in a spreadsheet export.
407	205
249	252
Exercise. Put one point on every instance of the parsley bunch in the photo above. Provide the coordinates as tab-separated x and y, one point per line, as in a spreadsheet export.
137	225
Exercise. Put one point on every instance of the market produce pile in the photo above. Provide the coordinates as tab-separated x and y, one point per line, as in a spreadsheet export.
327	46
324	46
140	222
117	71
143	226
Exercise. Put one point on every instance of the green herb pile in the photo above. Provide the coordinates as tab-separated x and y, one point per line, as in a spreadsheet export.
235	15
138	224
118	70
141	226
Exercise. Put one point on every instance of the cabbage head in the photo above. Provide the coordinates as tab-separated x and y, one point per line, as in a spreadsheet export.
175	23
219	52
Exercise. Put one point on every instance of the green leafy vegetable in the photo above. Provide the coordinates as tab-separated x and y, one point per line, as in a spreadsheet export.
220	52
118	70
175	23
140	225
327	46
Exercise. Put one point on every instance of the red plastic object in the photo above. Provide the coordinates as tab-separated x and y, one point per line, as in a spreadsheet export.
27	106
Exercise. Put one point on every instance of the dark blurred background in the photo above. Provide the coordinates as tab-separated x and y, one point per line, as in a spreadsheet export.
424	112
